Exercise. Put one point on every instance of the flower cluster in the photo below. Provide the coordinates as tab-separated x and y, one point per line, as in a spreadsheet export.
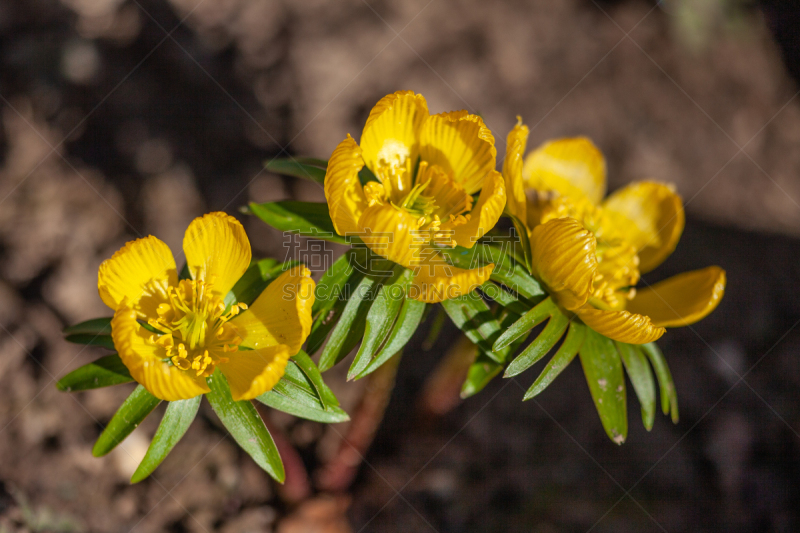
421	192
590	251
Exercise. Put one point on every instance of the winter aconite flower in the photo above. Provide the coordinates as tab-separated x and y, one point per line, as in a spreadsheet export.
428	171
173	334
590	251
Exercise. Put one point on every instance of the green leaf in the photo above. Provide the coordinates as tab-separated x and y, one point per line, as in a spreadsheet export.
104	372
642	379
542	344
312	373
331	296
299	167
562	358
669	396
173	426
302	392
184	273
127	418
381	318
472	316
350	327
527	322
504	298
480	373
513	274
306	218
484	369
245	425
603	370
96	326
407	322
91	339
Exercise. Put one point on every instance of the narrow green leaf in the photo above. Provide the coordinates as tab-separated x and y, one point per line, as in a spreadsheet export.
95	326
299	167
513	274
642	379
603	370
312	373
306	218
288	403
562	358
350	327
104	372
173	426
669	395
381	318
127	418
91	339
472	316
527	322
480	373
331	295
407	322
506	271
245	426
301	395
542	344
504	298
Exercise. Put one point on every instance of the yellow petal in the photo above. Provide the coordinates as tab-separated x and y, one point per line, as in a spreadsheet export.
650	216
217	249
343	189
141	272
621	326
459	143
486	212
572	167
392	233
253	372
145	360
683	299
391	134
435	281
281	314
512	170
563	257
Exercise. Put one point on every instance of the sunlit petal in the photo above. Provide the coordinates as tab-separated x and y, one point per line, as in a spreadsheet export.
572	167
391	134
392	233
563	258
253	372
683	299
622	326
650	216
281	314
459	143
217	251
343	191
435	281
140	271
485	213
147	361
512	170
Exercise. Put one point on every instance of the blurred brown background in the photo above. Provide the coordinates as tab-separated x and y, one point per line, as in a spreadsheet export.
122	118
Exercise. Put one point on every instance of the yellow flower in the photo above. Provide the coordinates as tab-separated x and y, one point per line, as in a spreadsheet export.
195	332
590	251
428	167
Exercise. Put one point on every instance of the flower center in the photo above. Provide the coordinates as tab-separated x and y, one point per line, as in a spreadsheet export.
194	328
